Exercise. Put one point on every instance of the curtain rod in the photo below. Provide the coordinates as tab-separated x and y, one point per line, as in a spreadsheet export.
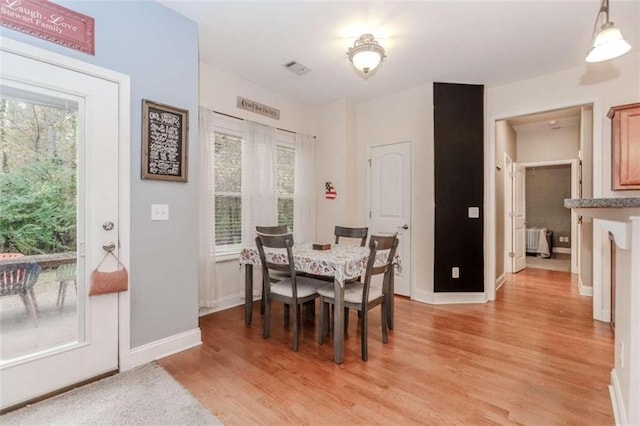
242	119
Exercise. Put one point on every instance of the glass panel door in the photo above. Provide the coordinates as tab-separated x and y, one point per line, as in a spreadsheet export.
59	147
38	223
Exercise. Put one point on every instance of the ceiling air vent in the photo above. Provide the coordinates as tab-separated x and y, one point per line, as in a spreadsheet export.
297	68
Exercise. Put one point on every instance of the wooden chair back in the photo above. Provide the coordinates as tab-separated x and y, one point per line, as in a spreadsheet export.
277	242
379	243
272	230
342	231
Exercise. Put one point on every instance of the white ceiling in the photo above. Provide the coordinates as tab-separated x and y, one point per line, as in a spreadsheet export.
475	42
548	120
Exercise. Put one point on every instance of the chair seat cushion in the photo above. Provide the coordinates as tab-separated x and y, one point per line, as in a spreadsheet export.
352	292
306	287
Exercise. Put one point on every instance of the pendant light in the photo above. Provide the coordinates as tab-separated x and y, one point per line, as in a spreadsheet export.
608	43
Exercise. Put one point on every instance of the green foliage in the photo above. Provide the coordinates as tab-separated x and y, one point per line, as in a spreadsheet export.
38	208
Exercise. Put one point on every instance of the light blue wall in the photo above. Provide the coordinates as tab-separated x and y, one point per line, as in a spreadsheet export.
158	49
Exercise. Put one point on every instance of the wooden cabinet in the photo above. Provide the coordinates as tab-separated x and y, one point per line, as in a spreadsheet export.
625	143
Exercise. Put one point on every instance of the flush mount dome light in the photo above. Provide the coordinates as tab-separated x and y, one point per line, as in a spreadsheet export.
608	43
366	55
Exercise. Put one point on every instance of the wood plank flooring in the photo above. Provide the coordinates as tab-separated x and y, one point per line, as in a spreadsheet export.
533	357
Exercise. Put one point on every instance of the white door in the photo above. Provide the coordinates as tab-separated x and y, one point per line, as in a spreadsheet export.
519	220
390	203
53	353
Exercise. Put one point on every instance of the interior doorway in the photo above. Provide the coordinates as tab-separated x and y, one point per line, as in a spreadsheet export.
537	141
551	230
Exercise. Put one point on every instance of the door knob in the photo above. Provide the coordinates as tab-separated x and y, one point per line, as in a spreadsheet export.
405	226
108	226
108	246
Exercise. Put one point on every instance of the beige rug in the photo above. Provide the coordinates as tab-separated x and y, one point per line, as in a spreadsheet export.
146	395
557	262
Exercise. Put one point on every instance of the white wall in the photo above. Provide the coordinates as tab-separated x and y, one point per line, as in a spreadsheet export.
536	144
404	116
219	92
576	86
334	157
585	229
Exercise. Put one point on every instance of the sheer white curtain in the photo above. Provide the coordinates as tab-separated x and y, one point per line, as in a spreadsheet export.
304	200
207	292
259	198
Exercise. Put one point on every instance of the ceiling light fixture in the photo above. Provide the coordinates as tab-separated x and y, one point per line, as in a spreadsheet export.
366	55
608	43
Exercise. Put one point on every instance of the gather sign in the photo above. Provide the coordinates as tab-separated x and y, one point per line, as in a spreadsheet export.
258	108
51	22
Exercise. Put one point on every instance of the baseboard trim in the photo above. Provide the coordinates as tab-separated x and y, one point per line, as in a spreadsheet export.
561	250
161	348
223	303
617	403
501	280
585	290
450	298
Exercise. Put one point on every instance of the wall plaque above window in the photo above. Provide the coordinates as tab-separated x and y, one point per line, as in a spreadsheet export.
51	22
258	108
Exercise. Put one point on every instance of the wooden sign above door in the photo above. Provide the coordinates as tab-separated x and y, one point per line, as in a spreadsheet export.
51	22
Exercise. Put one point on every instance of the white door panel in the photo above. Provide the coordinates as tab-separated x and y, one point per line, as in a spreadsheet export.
390	199
519	219
95	349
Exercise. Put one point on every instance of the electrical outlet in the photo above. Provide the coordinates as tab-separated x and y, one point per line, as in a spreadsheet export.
455	272
159	212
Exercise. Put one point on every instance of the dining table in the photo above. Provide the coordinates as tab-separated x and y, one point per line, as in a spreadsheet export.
341	261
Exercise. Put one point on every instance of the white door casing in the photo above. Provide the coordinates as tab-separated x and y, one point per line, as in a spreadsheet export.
102	119
390	203
519	221
508	209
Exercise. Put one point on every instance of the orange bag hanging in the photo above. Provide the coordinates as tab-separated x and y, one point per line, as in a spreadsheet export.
108	282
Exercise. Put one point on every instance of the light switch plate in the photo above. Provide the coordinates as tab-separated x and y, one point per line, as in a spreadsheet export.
159	211
474	212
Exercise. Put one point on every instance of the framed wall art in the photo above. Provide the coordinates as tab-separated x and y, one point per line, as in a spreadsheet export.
165	142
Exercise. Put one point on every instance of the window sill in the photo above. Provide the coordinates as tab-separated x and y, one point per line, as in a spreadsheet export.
227	257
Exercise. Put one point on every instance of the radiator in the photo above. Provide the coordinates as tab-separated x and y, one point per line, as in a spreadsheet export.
533	241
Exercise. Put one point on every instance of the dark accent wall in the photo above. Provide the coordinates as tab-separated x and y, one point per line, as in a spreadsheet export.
459	184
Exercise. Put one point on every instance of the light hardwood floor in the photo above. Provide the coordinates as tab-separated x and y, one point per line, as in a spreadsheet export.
534	357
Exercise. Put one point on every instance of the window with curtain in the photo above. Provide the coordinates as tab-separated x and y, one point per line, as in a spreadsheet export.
285	172
228	192
228	187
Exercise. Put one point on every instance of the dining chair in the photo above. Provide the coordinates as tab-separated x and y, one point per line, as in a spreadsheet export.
293	290
362	296
19	279
345	232
65	274
275	277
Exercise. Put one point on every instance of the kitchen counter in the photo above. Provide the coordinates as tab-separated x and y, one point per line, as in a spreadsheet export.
573	203
621	217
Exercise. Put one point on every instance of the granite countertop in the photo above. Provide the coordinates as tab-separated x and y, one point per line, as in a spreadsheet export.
582	203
